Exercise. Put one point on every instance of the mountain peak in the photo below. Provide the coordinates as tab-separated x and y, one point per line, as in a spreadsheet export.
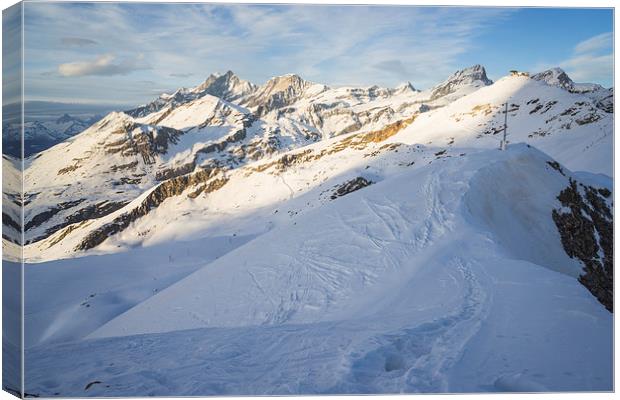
471	74
227	86
470	77
277	92
282	82
555	77
558	77
65	118
405	87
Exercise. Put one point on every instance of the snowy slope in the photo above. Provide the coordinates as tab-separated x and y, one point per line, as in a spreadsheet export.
604	98
307	277
11	206
408	285
568	126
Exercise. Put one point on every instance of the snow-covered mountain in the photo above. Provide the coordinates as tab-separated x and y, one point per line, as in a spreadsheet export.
557	77
319	215
41	135
462	82
227	87
126	156
281	91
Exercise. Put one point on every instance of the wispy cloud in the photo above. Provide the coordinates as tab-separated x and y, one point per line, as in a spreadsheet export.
337	45
77	41
592	60
393	66
104	65
595	44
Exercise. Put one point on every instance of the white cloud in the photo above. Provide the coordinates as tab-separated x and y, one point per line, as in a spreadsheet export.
336	45
590	68
78	41
592	60
595	44
103	65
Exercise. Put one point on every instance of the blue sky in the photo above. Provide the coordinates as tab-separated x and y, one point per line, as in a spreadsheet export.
121	53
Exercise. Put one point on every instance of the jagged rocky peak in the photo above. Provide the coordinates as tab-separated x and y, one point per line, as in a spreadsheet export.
555	77
208	82
281	91
405	87
474	76
227	86
286	82
558	77
63	119
470	75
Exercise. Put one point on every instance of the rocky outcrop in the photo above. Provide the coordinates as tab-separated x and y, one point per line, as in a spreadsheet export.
49	213
215	147
228	87
278	92
205	181
179	97
558	77
603	98
89	212
474	76
585	224
350	186
8	221
144	140
555	77
356	141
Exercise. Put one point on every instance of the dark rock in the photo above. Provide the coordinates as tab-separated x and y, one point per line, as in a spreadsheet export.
350	186
206	180
586	232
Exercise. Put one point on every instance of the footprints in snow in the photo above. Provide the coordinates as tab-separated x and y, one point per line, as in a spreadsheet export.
416	359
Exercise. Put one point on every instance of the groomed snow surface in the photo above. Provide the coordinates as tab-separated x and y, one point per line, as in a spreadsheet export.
447	277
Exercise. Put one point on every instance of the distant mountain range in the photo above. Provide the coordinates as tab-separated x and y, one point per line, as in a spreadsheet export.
226	123
46	124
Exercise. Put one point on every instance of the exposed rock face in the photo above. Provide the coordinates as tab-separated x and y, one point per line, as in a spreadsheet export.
350	186
606	101
555	77
586	231
179	97
603	98
228	87
8	221
46	215
404	88
205	181
475	75
278	92
89	212
356	141
145	140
